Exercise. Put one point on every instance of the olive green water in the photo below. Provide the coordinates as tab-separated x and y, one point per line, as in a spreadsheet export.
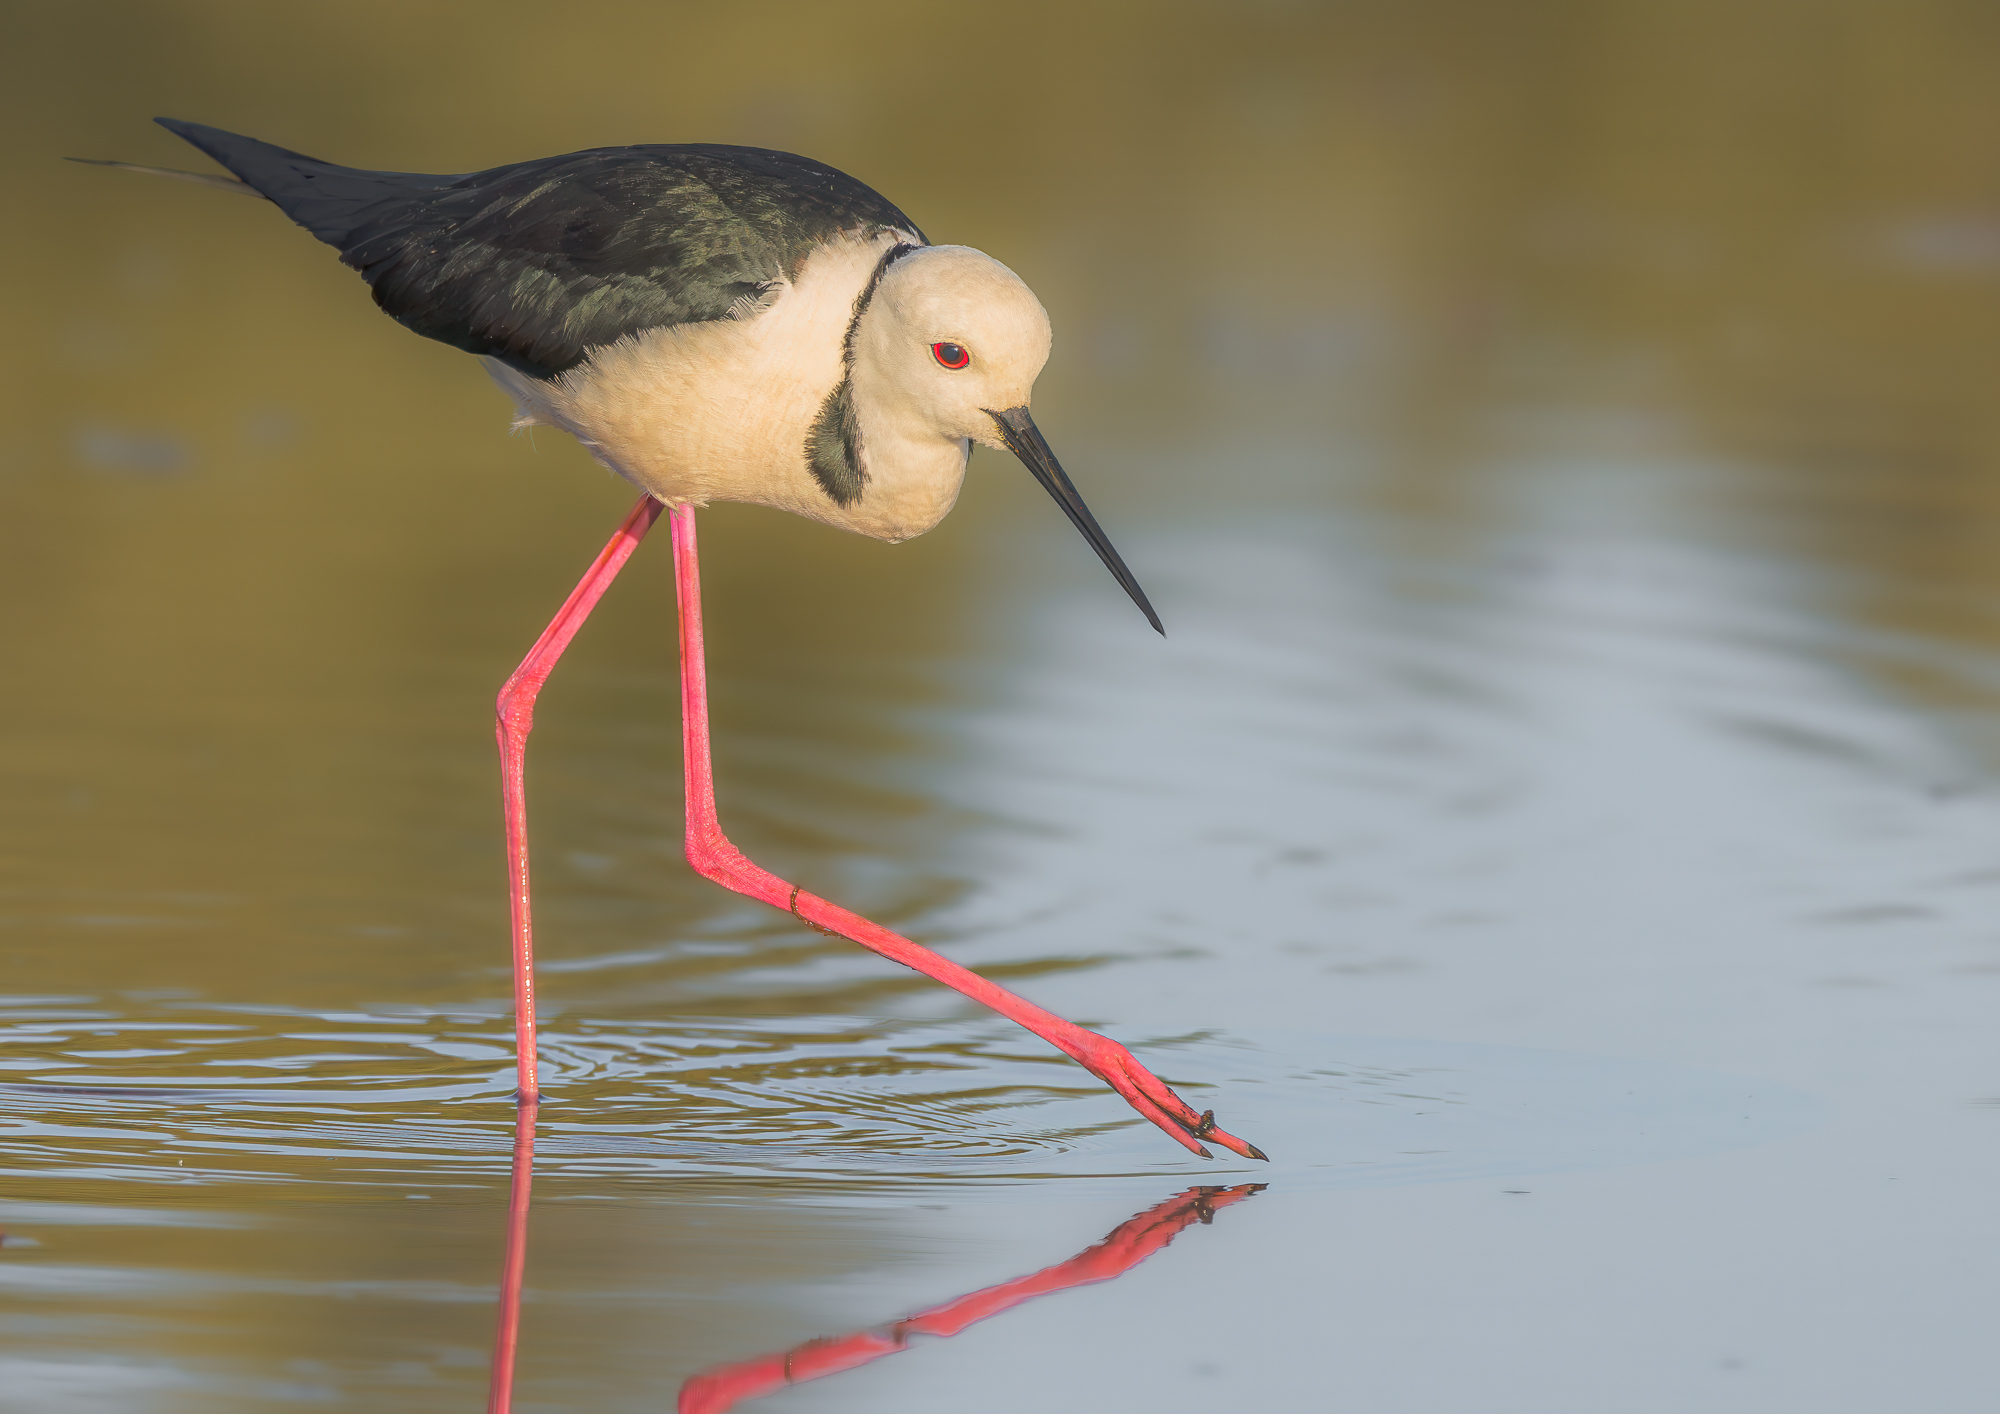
1560	826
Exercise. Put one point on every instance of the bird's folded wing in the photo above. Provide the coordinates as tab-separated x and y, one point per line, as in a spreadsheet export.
537	263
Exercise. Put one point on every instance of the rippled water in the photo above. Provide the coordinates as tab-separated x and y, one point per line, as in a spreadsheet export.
1559	826
688	1109
1424	893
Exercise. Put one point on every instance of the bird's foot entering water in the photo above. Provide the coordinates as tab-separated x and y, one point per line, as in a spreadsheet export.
710	852
1151	1096
712	856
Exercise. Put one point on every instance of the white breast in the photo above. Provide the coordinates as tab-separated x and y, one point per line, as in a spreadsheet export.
720	411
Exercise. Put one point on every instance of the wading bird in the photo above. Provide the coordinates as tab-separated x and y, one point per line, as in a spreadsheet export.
713	323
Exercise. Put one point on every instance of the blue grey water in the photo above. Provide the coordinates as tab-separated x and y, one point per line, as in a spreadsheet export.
1594	935
1562	825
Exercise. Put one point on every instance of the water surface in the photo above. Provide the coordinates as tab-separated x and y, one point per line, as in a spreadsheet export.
1558	826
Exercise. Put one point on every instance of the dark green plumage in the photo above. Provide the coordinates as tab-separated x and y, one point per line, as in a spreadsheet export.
538	262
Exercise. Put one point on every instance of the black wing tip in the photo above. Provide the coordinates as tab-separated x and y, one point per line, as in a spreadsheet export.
211	141
224	145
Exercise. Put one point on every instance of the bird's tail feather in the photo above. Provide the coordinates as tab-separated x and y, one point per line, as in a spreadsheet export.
207	179
327	199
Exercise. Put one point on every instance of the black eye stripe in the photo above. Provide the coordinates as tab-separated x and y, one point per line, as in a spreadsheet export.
952	356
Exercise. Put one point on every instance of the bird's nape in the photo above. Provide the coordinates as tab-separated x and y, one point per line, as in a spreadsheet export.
1025	441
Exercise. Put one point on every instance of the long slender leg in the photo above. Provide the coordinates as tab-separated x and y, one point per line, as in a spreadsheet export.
516	711
714	857
507	1337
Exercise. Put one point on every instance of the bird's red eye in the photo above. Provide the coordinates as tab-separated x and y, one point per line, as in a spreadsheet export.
951	355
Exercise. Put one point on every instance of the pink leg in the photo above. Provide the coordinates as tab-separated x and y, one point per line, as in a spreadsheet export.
500	1394
516	710
714	857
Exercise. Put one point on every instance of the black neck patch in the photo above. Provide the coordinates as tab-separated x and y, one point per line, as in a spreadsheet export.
833	446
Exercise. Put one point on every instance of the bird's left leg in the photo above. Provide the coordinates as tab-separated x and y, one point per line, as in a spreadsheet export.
516	712
714	857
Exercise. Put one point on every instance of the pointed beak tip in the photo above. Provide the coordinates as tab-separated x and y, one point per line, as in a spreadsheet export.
1025	441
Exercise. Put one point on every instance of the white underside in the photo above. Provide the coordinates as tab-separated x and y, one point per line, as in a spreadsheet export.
721	411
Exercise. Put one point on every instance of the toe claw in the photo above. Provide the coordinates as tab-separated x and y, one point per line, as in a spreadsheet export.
1155	1100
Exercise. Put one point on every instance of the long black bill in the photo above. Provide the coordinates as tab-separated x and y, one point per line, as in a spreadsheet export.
1025	441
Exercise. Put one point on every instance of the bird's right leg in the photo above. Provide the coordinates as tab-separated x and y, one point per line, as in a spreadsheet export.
714	857
516	711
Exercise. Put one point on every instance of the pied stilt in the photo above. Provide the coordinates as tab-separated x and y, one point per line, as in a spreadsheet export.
713	323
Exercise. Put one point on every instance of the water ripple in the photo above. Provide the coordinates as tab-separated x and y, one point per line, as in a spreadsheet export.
829	1108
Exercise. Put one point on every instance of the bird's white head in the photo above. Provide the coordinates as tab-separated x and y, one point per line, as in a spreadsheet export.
947	350
950	335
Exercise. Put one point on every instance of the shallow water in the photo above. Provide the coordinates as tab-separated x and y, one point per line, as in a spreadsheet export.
689	1110
1558	827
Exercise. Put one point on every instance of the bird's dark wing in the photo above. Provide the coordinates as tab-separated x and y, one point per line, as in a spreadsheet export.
537	263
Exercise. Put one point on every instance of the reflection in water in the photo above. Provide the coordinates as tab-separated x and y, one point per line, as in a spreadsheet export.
713	1391
1564	439
507	1338
1122	1249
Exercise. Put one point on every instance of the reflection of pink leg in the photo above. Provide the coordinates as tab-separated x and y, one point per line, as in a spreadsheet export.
500	1396
1130	1243
516	710
714	857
